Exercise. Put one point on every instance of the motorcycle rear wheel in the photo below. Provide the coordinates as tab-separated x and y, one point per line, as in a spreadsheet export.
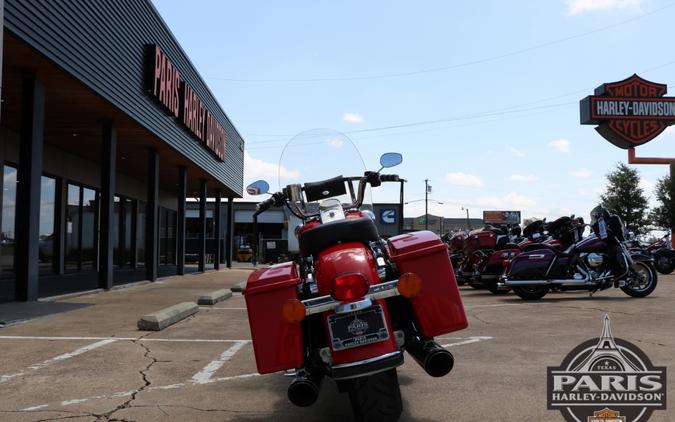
376	398
492	287
531	292
663	265
646	279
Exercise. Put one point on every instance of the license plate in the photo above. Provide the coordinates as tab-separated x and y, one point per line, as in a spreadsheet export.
357	329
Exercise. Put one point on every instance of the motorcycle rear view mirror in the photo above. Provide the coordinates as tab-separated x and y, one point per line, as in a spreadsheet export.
258	187
390	159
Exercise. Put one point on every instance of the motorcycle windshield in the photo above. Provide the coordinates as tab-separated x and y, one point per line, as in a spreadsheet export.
318	155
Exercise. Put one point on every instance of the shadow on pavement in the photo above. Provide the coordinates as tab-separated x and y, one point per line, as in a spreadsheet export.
330	407
13	312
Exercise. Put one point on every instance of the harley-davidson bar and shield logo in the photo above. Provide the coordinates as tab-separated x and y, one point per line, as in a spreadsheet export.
606	379
629	112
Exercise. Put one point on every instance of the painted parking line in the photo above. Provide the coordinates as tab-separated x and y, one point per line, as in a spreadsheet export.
469	340
59	358
204	376
139	339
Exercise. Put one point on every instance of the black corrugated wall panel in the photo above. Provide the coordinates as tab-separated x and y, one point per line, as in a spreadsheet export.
101	43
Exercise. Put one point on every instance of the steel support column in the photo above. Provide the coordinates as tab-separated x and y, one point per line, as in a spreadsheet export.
216	220
202	225
229	233
107	206
152	217
181	197
28	188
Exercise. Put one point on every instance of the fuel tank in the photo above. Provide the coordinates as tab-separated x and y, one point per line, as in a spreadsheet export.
591	244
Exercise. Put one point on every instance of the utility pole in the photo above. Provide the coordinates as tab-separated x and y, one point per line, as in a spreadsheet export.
468	223
426	204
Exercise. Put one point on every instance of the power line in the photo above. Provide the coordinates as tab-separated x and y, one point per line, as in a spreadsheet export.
454	66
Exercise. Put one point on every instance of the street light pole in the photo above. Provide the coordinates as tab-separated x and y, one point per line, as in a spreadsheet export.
426	204
468	224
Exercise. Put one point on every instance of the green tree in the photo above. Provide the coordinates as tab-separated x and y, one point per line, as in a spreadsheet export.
663	216
625	196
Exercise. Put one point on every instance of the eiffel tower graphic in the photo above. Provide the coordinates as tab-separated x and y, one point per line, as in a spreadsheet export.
606	357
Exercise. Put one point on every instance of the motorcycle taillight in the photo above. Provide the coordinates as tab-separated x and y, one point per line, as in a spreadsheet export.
349	286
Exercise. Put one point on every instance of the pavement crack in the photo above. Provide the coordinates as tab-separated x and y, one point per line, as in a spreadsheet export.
108	416
479	318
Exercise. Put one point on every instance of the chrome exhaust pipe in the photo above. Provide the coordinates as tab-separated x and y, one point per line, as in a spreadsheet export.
304	389
568	282
434	359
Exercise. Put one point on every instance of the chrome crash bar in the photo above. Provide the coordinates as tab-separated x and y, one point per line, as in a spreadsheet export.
321	304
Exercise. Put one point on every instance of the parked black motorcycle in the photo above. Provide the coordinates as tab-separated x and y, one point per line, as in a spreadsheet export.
663	254
597	262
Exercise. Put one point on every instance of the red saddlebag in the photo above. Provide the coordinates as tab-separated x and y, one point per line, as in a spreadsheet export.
438	307
278	344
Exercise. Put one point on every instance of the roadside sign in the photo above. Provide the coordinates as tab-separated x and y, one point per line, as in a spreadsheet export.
501	217
629	112
388	216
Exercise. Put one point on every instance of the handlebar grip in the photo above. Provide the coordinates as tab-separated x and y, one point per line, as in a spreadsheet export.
389	178
265	205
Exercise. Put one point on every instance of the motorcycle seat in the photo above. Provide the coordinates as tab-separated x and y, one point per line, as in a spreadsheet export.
315	240
557	251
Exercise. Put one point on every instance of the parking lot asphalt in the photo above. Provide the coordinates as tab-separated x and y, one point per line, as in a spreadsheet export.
93	364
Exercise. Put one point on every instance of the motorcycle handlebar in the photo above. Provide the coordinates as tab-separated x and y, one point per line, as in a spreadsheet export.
389	178
265	205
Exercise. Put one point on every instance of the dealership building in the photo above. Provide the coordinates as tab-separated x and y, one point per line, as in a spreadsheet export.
105	128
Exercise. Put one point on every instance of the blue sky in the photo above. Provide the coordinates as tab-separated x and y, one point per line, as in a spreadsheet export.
504	76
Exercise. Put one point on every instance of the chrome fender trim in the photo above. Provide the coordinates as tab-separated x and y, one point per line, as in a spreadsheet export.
321	304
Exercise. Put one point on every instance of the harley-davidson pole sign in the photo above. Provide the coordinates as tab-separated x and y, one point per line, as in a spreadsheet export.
629	112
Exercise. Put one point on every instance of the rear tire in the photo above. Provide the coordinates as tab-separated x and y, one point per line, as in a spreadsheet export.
663	265
492	287
377	398
647	281
531	292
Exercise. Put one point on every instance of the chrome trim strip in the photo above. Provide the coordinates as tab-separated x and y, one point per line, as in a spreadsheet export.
343	308
317	305
366	361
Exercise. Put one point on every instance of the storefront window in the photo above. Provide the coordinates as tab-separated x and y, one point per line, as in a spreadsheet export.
46	242
140	233
8	217
73	228
89	228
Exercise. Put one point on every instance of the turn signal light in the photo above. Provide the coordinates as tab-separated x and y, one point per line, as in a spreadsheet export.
409	285
350	286
293	311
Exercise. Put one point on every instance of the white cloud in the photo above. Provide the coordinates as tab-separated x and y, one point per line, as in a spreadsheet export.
353	118
463	179
577	7
254	168
582	173
560	145
517	152
521	178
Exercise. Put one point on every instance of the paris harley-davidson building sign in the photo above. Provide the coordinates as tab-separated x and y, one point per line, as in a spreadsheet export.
629	112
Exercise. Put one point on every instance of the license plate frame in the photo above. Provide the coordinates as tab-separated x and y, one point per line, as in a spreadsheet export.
351	331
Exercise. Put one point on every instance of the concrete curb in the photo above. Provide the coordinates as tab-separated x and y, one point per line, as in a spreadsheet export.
161	319
214	297
239	287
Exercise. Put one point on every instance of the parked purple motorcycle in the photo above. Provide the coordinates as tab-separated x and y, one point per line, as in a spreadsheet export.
597	262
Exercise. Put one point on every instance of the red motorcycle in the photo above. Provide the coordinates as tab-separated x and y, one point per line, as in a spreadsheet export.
485	251
353	302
